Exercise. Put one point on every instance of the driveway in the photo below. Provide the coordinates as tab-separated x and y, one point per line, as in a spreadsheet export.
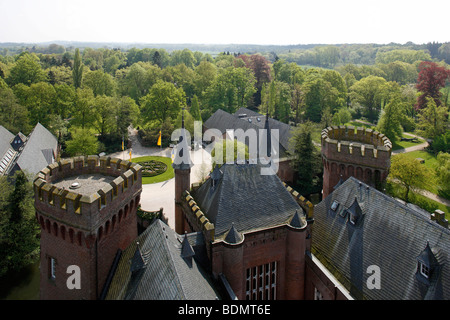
162	195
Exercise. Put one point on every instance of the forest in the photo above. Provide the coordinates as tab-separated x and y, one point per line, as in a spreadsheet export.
89	94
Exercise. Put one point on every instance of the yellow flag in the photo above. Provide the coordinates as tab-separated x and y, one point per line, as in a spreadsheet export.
130	154
159	138
122	144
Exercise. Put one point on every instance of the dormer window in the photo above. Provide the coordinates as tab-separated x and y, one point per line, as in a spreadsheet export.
353	219
355	212
427	264
334	205
424	269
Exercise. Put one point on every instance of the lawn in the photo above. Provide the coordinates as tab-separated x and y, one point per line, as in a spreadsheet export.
169	174
431	163
397	191
406	144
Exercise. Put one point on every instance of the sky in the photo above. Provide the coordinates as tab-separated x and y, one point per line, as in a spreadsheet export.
275	22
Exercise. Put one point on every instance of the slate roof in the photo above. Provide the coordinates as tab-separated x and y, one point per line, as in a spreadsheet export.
222	121
245	198
5	140
39	150
153	268
388	234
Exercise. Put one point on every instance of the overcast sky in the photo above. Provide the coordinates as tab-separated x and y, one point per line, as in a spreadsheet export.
279	22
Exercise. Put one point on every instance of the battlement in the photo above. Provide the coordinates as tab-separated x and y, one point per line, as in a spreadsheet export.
58	189
353	143
200	220
304	203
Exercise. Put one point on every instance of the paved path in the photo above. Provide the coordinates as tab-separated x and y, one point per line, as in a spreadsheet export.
412	148
418	147
162	195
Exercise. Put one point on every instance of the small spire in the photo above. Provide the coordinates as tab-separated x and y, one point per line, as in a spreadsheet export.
186	249
296	221
233	236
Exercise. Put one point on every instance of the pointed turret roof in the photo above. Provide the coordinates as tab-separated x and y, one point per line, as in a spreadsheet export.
186	249
233	236
182	160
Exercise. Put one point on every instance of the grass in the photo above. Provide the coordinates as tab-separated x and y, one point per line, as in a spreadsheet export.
431	163
397	191
406	144
169	174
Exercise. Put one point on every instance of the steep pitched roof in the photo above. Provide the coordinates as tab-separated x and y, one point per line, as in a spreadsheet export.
160	269
39	150
5	140
245	198
388	234
222	121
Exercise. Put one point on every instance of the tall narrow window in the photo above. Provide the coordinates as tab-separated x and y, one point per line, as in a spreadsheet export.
52	268
261	282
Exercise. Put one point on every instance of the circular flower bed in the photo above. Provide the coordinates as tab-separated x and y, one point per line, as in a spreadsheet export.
152	168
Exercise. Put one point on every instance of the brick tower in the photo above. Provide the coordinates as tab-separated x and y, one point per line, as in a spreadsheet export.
182	165
359	152
86	207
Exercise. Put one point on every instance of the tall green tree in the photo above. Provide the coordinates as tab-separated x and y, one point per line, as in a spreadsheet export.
410	173
432	120
82	143
370	93
77	69
306	159
26	70
83	112
19	242
390	120
163	100
100	82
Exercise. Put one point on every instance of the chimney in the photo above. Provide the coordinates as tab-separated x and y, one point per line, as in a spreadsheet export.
439	217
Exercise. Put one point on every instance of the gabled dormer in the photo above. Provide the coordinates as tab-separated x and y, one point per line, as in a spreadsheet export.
427	264
18	141
355	212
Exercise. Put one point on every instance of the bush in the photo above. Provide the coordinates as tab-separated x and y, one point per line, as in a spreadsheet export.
441	143
152	168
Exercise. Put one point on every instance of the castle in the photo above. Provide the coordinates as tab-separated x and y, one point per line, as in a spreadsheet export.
354	152
86	208
240	234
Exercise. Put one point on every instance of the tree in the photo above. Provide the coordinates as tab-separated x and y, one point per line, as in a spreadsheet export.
370	92
390	120
195	109
104	113
13	115
127	113
432	120
430	81
163	100
443	173
82	143
239	150
261	70
306	159
19	242
39	100
276	98
232	89
100	82
26	70
83	112
77	69
410	173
